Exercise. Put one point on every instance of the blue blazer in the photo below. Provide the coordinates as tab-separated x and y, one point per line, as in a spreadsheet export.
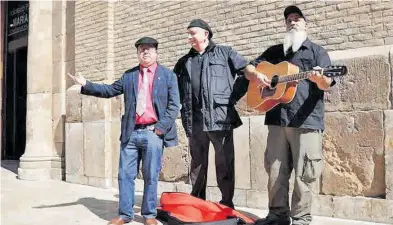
165	101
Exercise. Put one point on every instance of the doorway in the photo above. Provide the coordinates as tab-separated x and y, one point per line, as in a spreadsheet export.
15	103
15	80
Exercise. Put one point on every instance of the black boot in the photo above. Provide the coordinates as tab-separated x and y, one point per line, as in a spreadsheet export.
230	205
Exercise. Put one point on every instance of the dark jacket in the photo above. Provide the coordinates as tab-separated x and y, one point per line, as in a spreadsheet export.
165	101
220	89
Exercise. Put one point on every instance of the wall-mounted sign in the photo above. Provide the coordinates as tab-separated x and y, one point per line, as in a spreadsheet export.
18	17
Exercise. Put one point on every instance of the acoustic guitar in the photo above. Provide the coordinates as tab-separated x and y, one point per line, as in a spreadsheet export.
284	77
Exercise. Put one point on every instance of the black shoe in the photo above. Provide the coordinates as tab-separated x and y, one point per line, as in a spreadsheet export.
273	221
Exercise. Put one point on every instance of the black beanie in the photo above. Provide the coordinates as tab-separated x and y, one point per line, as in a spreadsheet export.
202	24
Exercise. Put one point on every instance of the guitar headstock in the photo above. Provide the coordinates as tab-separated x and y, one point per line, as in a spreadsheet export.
335	71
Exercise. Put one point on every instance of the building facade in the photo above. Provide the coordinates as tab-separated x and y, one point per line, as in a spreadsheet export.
76	138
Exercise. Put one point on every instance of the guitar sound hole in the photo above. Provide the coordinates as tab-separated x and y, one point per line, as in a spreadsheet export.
274	81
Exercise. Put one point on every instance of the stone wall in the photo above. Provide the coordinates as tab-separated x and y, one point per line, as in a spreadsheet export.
357	181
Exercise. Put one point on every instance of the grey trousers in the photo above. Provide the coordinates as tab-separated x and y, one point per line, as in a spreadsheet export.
288	149
224	159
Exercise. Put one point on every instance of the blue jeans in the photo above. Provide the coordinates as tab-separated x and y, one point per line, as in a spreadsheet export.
144	144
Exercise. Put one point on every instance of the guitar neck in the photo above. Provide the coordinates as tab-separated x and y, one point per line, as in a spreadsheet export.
293	77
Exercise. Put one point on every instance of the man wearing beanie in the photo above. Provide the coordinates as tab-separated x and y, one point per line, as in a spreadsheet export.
294	140
147	126
211	81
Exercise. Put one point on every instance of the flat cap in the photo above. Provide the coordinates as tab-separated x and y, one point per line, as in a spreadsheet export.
146	40
202	24
293	9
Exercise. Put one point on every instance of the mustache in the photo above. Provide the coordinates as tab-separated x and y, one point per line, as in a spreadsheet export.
293	28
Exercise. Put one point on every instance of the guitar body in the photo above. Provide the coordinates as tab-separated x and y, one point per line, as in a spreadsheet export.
264	99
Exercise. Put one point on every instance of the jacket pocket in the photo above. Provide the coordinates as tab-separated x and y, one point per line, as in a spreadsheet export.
217	67
224	111
171	134
308	64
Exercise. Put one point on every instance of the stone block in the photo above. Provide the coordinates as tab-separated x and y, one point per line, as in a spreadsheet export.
241	138
388	125
176	159
58	116
58	15
354	162
74	104
69	68
115	147
139	185
58	76
240	197
57	174
74	154
391	75
241	107
57	49
322	205
100	182
39	131
96	152
58	105
59	149
382	211
366	87
115	183
76	179
70	17
116	108
211	171
258	137
40	34
257	199
58	129
166	187
95	109
213	194
389	176
70	46
244	110
352	208
183	187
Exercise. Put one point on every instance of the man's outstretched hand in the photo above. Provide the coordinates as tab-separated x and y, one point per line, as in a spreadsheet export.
78	79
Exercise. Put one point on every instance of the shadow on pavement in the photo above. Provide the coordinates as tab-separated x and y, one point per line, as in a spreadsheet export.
105	209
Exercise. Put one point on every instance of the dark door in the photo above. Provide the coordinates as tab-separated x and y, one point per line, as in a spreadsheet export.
15	103
15	79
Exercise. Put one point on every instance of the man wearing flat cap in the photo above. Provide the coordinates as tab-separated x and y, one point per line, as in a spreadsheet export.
295	129
151	100
211	81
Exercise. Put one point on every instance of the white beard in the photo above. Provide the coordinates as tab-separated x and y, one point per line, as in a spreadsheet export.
294	39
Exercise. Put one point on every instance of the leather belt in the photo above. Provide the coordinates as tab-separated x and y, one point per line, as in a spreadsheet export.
149	126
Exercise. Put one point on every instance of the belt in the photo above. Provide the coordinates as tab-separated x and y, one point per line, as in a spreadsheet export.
149	126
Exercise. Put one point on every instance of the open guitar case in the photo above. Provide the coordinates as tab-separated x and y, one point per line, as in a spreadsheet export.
177	208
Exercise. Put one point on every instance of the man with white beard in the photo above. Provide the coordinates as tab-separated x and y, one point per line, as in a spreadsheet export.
296	128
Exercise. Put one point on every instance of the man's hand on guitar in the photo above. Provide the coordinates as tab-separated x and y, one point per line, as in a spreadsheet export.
323	82
262	79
